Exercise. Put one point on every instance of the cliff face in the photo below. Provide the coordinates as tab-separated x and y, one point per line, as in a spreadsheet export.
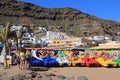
71	21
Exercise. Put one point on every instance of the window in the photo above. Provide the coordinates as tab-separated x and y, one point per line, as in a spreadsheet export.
31	39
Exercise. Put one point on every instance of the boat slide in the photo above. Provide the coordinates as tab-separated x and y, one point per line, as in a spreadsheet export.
34	54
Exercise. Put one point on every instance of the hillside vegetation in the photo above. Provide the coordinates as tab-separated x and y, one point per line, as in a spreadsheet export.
68	20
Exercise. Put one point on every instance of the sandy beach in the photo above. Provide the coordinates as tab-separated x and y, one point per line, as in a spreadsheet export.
100	73
90	73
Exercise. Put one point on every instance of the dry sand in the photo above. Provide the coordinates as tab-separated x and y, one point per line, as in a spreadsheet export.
100	73
90	73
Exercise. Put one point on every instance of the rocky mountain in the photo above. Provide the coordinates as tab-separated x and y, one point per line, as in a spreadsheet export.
68	20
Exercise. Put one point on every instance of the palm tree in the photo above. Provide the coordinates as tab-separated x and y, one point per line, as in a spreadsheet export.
4	36
19	36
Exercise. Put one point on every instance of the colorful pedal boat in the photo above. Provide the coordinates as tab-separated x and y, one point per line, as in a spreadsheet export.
36	62
106	63
118	62
77	62
50	62
91	62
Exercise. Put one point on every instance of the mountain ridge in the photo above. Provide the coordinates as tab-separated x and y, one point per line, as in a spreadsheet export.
68	20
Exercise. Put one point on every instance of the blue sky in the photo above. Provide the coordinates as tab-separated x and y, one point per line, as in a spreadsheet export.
105	9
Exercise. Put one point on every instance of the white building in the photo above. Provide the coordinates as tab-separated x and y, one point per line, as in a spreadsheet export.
28	39
53	35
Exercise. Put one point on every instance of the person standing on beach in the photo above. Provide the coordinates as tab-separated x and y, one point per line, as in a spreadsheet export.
27	59
22	60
